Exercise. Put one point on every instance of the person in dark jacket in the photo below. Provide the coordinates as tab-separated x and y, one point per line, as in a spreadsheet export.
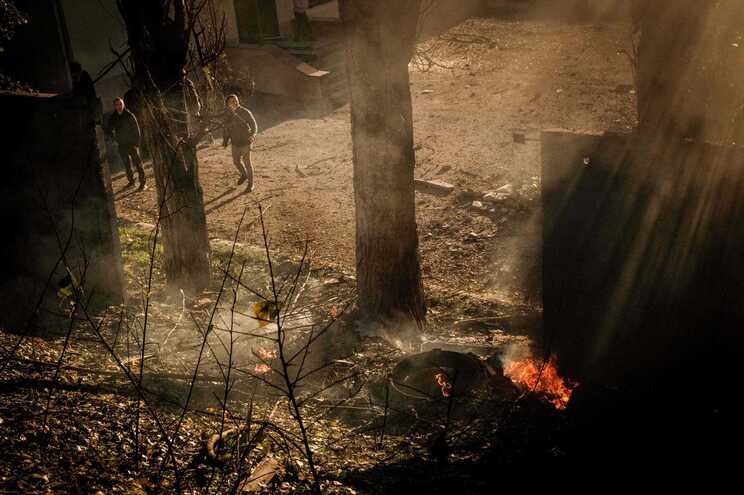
82	83
240	128
125	130
84	90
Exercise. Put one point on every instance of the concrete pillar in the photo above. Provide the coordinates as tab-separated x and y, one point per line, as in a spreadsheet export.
55	199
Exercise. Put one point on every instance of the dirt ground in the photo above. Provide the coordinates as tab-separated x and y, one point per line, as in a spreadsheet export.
473	88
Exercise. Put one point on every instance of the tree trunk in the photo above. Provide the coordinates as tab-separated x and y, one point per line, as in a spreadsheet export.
182	216
380	42
159	46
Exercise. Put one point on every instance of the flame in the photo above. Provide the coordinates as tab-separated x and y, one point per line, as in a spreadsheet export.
265	354
446	386
262	369
527	374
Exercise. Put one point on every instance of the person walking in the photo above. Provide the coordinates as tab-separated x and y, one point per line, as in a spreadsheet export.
240	129
126	132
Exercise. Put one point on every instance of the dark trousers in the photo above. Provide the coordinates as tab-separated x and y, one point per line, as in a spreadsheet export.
129	154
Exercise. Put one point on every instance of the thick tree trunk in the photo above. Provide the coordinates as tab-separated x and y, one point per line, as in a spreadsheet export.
182	216
159	45
380	42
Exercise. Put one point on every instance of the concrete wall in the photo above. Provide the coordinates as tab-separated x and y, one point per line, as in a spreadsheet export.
276	72
285	15
227	8
643	255
324	11
285	12
55	189
442	15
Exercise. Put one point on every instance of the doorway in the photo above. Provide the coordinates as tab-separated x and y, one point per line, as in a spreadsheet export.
257	20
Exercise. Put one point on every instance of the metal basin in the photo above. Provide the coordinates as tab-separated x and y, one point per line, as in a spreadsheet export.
421	376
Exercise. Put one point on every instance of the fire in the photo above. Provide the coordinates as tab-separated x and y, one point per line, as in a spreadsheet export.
262	369
527	374
443	384
265	354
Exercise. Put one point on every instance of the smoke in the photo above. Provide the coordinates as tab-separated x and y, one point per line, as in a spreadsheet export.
516	351
406	337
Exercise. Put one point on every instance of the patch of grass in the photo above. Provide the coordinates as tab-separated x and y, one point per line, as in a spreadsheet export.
251	255
136	246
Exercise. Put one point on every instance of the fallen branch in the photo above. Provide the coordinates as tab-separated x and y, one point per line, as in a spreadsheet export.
213	443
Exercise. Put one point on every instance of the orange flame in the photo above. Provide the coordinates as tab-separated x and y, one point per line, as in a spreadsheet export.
262	369
446	386
532	375
265	354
